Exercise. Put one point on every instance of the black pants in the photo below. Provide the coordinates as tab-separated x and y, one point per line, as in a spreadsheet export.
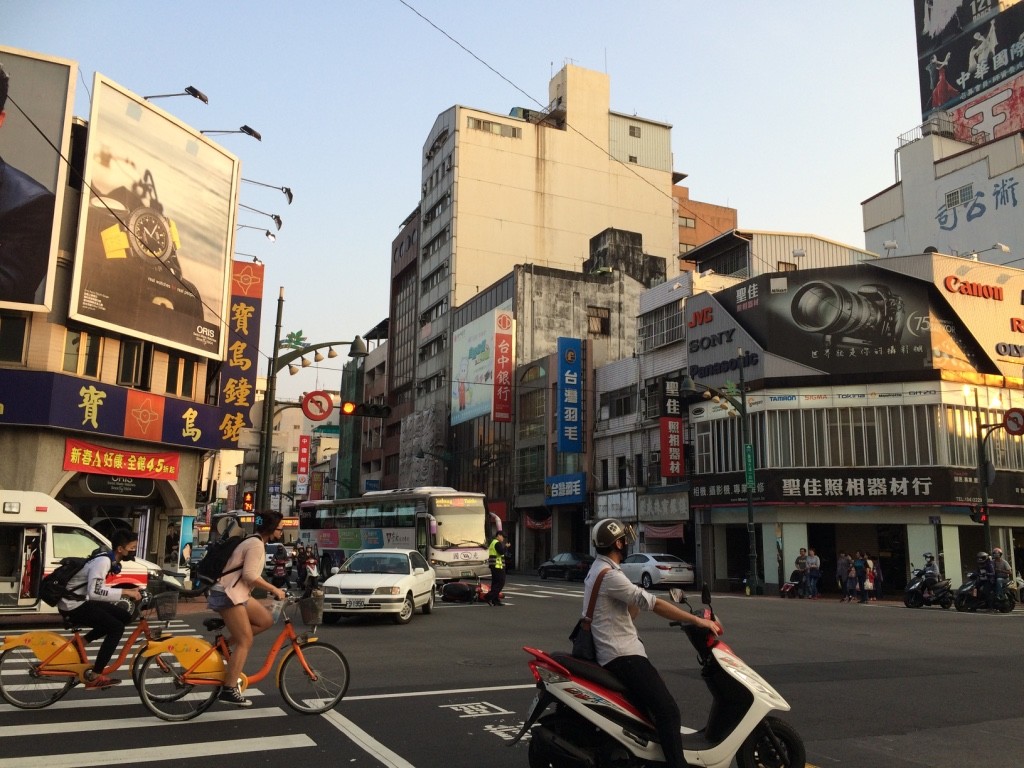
648	691
497	584
107	621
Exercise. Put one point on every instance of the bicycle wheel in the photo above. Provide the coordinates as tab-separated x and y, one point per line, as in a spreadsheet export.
165	694
22	686
317	694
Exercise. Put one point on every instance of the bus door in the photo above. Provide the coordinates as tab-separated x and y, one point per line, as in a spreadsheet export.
426	526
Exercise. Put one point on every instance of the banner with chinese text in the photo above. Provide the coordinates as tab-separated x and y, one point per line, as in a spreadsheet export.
80	456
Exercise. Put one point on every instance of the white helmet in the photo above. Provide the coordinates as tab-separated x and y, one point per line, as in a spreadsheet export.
606	532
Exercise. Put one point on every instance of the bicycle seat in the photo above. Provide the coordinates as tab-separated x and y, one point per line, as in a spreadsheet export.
212	625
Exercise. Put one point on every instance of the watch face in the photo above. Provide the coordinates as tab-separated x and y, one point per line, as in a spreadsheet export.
150	235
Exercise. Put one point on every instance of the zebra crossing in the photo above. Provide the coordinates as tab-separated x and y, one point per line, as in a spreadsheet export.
98	728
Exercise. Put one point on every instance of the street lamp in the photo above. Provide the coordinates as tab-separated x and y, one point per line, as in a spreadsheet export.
986	471
726	400
276	363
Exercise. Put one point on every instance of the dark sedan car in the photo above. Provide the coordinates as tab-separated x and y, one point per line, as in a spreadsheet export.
566	565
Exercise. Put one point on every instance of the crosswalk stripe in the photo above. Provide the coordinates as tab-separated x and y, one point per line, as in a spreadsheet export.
182	751
91	726
362	739
92	700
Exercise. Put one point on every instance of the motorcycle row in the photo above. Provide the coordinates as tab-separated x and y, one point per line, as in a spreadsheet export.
969	597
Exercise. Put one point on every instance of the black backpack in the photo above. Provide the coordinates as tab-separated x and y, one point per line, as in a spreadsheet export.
54	588
218	552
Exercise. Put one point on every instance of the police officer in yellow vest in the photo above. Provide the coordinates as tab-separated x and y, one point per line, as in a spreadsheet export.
496	561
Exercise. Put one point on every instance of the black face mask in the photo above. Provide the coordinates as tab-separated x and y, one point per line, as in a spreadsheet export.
129	557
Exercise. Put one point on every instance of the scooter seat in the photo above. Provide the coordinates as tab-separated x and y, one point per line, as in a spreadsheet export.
590	670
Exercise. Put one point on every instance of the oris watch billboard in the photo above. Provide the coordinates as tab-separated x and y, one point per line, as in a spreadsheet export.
156	227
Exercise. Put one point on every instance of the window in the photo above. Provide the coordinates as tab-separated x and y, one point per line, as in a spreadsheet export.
688	222
599	321
786	266
82	353
632	158
12	337
661	326
961	196
181	376
498	129
620	468
686	247
621	402
135	366
634	131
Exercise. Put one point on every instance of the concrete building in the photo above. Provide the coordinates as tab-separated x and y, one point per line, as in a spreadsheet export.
698	221
961	197
532	186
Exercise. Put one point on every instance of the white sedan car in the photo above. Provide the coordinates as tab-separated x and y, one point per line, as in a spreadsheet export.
375	581
649	569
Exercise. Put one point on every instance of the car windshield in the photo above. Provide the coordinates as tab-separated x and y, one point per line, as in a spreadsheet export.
377	564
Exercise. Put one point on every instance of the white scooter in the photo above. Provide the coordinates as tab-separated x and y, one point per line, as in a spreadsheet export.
594	723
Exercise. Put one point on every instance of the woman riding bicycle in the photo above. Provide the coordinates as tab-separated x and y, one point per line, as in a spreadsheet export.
230	597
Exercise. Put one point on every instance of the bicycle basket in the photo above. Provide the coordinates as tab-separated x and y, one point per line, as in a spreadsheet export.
312	608
166	605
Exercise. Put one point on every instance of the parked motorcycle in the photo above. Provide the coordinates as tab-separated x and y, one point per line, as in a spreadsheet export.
918	595
970	597
594	723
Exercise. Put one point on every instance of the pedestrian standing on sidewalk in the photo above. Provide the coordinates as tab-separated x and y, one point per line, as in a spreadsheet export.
813	573
842	569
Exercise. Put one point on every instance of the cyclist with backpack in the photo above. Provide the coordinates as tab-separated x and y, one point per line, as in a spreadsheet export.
230	597
89	602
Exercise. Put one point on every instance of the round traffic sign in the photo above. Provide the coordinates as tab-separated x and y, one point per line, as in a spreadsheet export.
317	405
1014	421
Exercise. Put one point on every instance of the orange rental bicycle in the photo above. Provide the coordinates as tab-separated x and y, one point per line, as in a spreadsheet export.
38	668
181	678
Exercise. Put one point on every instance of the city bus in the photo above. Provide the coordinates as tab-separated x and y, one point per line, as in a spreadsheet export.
451	529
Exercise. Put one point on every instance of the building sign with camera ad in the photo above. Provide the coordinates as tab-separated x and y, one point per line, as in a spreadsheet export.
80	456
156	227
671	428
878	486
37	123
907	313
238	373
40	398
570	395
482	360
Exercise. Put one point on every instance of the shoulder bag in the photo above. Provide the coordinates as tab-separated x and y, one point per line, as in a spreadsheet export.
581	636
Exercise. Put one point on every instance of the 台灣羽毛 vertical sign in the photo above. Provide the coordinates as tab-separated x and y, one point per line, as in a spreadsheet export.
570	395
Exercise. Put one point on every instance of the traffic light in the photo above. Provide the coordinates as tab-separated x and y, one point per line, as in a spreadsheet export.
371	410
248	501
979	514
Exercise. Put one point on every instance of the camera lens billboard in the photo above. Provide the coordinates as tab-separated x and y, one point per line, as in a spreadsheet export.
156	226
36	94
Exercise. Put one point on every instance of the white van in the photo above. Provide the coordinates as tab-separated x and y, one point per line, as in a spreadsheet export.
36	532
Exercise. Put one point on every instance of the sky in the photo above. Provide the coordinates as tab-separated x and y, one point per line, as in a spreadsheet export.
788	111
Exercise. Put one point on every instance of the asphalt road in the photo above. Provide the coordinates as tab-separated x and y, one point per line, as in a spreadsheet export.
869	685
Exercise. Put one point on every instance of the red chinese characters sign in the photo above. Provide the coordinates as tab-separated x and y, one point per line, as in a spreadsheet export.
504	363
80	456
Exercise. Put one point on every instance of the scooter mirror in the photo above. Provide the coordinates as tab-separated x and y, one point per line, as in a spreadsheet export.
705	594
677	594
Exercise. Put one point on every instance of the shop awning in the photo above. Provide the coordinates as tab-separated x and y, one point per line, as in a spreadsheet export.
673	531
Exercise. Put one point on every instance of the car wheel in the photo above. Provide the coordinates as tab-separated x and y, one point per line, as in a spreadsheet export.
645	581
404	616
543	574
331	618
567	575
429	605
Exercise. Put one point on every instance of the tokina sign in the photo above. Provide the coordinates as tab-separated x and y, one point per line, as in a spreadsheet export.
953	284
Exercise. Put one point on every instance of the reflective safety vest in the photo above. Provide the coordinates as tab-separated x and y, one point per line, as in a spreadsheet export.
495	560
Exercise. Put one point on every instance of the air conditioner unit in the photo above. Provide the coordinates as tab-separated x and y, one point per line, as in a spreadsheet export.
654	457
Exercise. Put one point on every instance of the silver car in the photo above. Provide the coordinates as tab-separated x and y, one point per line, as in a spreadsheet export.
649	569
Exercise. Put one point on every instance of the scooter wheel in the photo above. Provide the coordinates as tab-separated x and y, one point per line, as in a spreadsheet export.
947	602
774	743
961	603
913	600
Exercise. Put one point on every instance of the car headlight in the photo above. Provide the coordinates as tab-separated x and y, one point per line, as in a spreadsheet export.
387	591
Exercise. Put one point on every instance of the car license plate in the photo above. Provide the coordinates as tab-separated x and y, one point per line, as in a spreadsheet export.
359	603
467	574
